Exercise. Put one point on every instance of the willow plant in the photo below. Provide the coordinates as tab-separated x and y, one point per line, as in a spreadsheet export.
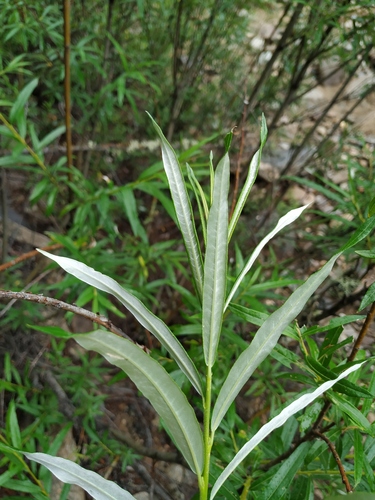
208	257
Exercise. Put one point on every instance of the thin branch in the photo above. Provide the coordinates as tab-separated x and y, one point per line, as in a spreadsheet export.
48	301
20	139
331	446
362	334
27	256
67	92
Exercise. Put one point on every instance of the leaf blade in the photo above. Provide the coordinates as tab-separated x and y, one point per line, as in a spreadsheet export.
251	176
145	317
72	473
183	207
278	421
265	340
157	386
284	221
215	263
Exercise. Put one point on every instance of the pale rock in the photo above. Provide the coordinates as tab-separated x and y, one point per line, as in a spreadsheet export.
142	495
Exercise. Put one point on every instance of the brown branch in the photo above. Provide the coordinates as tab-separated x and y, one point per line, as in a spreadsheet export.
362	334
67	93
331	446
28	255
48	301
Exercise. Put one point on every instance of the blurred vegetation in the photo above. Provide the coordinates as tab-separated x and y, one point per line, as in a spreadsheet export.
199	68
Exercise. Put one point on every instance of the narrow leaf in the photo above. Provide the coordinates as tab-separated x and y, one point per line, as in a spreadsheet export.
145	317
157	386
127	198
21	100
215	263
369	297
52	136
297	405
183	208
284	221
71	473
251	176
355	415
269	333
284	475
359	457
201	201
265	340
13	427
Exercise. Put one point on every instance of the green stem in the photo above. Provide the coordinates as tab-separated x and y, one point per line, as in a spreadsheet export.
207	438
20	139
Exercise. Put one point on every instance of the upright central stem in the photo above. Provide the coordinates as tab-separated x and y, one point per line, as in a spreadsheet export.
207	437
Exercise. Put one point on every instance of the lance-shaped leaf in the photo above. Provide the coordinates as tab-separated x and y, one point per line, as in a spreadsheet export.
145	317
251	176
264	341
215	263
157	386
268	334
297	405
284	221
71	473
183	208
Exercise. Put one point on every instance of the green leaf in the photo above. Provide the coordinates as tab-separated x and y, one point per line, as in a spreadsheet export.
51	136
258	318
228	141
215	263
269	333
145	317
55	331
371	208
359	457
156	385
284	221
19	105
368	254
345	386
296	406
251	176
127	198
369	297
284	475
183	208
352	412
13	428
71	473
264	341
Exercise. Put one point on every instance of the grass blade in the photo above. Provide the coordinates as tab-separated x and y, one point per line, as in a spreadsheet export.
284	221
71	473
157	386
183	208
145	317
215	264
297	405
251	176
